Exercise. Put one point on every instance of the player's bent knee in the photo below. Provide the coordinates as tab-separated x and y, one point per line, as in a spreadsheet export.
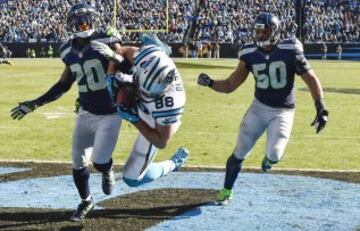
131	182
152	174
136	182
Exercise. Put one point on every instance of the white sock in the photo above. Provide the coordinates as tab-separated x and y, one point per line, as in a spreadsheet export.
87	198
168	166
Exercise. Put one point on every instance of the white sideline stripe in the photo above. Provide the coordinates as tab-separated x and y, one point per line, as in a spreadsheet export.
235	134
57	115
191	166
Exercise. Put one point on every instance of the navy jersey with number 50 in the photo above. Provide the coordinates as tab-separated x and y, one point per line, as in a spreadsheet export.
274	72
89	68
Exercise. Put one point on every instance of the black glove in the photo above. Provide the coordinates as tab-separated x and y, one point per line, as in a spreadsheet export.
205	80
129	114
321	117
22	109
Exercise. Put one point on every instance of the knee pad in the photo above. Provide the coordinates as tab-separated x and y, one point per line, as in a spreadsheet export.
103	167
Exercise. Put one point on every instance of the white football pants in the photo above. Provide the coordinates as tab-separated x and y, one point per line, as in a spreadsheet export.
258	118
141	156
99	132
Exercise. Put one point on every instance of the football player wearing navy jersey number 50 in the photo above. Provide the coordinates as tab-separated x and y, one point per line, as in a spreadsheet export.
273	63
97	125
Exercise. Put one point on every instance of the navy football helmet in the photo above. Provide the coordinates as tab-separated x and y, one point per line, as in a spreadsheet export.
82	20
266	30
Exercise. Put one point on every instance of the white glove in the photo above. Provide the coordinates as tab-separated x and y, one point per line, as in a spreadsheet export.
124	78
106	51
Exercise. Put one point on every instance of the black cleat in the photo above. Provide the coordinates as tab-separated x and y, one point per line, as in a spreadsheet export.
83	208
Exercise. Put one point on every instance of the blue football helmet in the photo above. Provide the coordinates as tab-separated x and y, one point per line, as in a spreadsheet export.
266	30
82	20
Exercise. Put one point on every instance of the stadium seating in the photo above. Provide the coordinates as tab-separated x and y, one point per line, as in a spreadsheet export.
226	21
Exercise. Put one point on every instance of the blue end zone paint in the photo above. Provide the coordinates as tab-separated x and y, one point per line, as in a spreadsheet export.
261	201
7	170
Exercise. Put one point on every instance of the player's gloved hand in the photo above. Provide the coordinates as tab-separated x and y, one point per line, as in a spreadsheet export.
105	50
77	105
205	80
22	109
321	117
129	114
112	86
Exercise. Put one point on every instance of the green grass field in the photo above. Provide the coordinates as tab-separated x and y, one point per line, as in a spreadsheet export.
210	123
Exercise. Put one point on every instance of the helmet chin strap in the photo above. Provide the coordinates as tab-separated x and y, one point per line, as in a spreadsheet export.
84	34
264	44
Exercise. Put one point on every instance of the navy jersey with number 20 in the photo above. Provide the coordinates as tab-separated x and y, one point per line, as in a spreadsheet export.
89	68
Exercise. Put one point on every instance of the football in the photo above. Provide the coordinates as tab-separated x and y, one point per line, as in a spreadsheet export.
126	95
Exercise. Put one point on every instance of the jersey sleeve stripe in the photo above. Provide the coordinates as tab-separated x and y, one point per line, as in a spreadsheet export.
63	45
107	40
167	113
65	52
297	46
247	50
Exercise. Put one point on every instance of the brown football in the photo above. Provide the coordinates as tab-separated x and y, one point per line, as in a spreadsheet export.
126	96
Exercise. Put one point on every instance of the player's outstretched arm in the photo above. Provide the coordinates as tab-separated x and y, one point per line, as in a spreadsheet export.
228	85
159	136
313	82
119	55
55	92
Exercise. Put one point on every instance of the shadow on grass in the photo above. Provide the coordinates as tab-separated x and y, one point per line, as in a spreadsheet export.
136	211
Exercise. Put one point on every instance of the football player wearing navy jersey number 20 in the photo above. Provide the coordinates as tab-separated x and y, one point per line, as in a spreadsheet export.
97	126
273	63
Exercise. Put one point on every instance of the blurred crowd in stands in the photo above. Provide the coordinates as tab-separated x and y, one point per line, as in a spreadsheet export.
222	21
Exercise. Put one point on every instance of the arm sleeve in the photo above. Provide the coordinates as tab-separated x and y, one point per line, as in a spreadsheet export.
245	51
55	92
301	63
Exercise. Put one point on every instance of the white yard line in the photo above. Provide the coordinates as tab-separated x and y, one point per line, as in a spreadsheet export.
190	166
57	115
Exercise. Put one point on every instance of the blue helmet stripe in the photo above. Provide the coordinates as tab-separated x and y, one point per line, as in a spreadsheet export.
150	72
144	53
155	75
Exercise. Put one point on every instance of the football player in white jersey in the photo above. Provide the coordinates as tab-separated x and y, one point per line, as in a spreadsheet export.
157	113
274	64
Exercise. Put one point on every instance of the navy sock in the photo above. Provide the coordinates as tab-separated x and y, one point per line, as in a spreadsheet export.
81	179
103	167
233	167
